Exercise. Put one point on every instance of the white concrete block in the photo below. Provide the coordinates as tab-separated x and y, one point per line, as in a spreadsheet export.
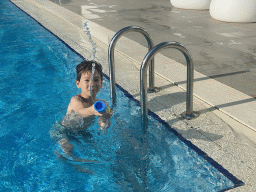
233	10
191	4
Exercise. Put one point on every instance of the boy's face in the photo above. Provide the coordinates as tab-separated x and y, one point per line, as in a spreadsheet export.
85	83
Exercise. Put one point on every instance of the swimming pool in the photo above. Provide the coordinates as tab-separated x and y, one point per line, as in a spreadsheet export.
38	73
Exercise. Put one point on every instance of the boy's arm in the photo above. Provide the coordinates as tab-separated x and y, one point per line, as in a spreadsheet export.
77	106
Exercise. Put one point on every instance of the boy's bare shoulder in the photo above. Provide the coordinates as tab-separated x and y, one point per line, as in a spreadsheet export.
76	100
75	103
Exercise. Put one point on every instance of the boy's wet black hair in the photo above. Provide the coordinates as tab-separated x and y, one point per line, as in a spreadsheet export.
87	66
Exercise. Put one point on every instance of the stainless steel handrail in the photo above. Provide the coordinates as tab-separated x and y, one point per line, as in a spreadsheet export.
112	62
143	79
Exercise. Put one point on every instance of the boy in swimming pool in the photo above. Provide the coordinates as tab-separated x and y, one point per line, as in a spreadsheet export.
81	112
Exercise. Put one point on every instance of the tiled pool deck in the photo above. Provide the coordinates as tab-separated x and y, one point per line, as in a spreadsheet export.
227	135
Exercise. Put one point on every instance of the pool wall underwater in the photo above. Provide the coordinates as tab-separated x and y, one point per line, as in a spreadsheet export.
119	58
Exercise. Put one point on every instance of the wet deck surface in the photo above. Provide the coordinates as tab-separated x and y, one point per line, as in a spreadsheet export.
223	51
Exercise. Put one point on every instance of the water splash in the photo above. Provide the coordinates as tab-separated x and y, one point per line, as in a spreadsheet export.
93	70
88	33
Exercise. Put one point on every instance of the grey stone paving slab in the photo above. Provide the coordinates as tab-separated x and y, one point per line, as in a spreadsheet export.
219	40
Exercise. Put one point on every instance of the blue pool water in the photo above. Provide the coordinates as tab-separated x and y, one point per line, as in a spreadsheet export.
37	74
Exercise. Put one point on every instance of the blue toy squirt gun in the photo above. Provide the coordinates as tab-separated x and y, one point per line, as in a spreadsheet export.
101	107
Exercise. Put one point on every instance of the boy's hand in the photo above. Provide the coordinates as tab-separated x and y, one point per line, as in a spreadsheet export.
94	112
104	121
107	114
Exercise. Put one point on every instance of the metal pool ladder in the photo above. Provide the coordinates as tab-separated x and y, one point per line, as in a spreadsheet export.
189	114
111	61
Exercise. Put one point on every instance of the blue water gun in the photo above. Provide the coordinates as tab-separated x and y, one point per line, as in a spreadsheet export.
101	107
